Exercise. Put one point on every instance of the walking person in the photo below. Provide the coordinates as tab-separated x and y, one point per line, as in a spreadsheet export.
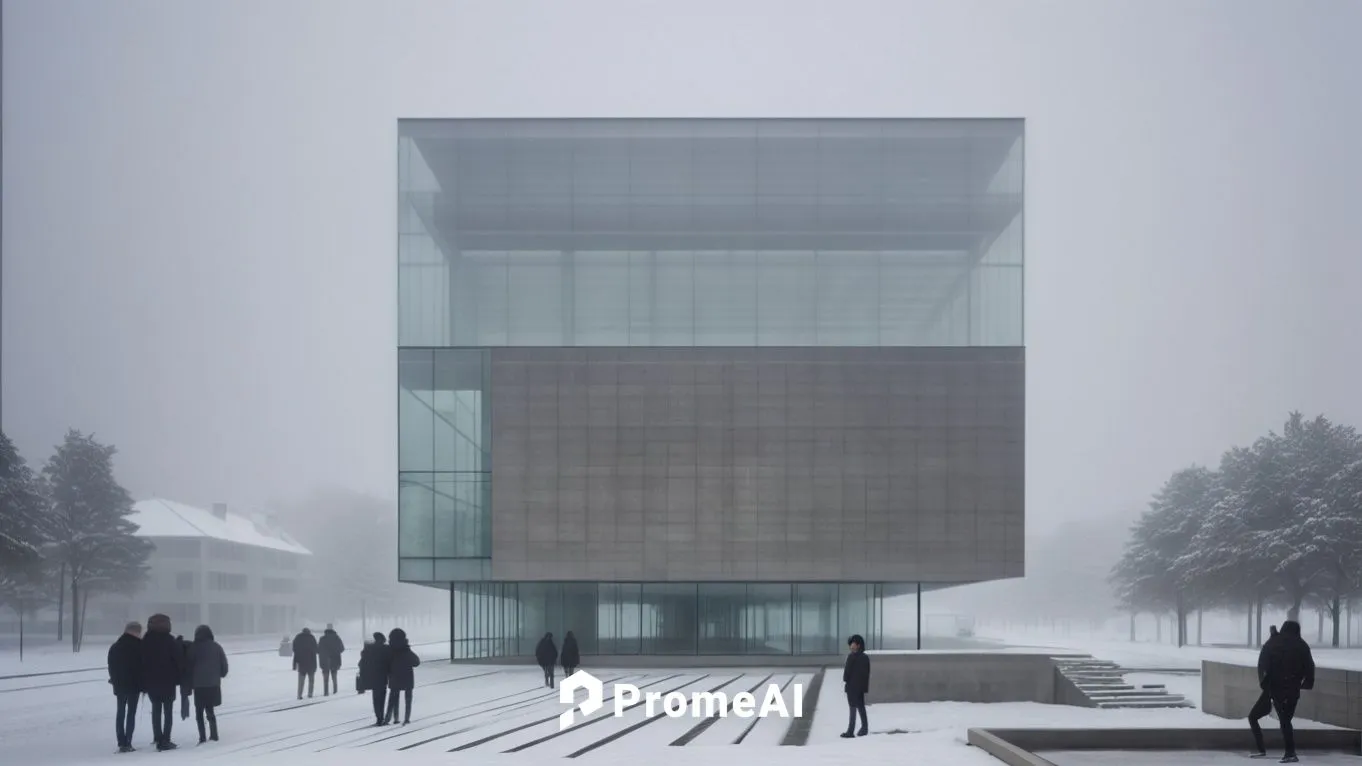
125	675
1290	668
856	679
330	647
402	662
162	668
374	661
1264	704
209	667
570	656
305	660
546	654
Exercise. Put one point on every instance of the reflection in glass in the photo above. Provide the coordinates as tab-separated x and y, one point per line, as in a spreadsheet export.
580	615
669	618
444	436
816	618
620	618
710	232
665	618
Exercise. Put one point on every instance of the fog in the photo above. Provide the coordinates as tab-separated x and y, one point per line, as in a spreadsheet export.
199	251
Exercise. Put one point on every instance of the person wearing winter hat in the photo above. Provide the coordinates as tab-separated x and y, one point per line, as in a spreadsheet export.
402	662
209	663
163	666
856	679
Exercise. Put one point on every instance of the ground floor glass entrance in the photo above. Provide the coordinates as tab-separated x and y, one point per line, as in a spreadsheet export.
491	619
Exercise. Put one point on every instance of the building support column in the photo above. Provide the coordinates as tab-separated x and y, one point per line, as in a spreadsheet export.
919	616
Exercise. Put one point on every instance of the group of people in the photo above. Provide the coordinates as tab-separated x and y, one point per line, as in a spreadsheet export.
547	655
1285	667
387	666
162	666
311	653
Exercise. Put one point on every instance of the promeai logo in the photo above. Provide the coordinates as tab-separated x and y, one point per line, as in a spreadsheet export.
673	704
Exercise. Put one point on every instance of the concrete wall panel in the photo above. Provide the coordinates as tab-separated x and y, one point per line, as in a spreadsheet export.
774	464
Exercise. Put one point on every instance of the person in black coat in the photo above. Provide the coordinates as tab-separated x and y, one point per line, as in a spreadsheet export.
570	656
374	661
546	654
125	675
402	662
208	666
305	660
162	670
1264	704
186	677
1290	668
330	647
856	678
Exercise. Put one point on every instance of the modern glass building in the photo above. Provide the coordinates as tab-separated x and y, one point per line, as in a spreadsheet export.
706	387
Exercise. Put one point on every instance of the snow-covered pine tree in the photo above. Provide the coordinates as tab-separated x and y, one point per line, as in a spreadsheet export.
21	511
91	535
1149	575
1328	533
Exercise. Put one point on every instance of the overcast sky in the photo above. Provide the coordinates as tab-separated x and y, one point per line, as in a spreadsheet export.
200	207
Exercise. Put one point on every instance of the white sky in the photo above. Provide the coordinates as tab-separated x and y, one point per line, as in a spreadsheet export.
200	215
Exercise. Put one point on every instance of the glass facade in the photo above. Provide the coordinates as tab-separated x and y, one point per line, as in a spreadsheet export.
710	233
491	619
675	233
444	459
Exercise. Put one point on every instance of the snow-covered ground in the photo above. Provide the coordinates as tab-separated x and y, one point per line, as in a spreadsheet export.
1164	656
502	714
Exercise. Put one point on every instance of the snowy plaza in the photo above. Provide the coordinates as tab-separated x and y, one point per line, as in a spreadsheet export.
57	709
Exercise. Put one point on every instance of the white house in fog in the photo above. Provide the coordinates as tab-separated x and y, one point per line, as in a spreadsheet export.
237	571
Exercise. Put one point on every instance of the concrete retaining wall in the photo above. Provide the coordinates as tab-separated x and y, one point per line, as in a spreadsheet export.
1229	691
1155	739
964	677
1068	693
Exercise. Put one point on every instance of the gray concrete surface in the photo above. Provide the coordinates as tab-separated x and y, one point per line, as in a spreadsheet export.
1183	758
1229	691
1166	739
740	464
965	677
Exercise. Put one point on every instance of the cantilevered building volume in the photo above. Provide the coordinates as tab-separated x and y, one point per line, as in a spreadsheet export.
706	387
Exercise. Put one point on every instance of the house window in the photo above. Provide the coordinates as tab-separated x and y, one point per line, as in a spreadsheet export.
184	581
226	581
278	585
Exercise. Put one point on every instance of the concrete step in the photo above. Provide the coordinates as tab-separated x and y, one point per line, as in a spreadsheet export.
1104	683
1146	704
1176	698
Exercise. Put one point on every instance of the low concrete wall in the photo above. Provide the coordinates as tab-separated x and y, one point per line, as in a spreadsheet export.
963	677
808	662
1164	738
1229	691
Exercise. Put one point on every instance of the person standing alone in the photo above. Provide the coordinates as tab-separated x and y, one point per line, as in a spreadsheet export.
1290	668
305	660
374	662
125	675
208	667
330	647
856	678
162	669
